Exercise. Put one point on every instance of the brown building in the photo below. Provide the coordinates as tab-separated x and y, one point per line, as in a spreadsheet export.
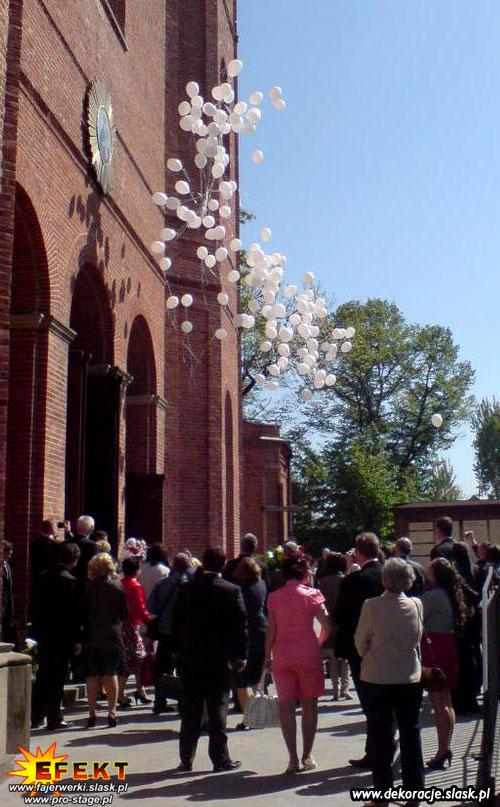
417	521
105	406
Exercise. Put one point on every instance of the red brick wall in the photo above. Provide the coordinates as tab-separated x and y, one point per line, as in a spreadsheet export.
266	484
146	64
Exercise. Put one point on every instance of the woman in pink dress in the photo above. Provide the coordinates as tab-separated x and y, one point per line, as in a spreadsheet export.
295	650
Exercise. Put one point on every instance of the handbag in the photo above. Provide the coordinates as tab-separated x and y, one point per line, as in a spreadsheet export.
262	711
433	679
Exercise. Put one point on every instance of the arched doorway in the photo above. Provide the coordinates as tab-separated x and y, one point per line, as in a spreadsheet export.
28	351
94	389
229	451
144	487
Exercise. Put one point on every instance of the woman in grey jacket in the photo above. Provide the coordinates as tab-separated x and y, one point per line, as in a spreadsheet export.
387	639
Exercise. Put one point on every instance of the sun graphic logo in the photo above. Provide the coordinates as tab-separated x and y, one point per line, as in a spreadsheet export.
44	766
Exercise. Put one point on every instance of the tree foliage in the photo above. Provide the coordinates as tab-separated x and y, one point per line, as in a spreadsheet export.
441	485
486	422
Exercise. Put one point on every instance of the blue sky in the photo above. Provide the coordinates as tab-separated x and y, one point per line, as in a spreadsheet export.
383	175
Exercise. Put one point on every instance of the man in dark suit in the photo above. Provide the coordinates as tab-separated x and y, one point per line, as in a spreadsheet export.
354	590
446	547
56	627
403	549
249	546
8	634
84	529
210	639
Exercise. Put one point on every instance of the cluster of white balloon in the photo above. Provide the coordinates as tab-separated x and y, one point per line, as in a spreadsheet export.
290	326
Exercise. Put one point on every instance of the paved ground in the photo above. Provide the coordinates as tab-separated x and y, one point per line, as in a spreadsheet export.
150	747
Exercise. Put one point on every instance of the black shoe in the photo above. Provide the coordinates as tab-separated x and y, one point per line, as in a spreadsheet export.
91	721
125	703
242	727
111	721
230	765
184	767
439	763
61	726
363	762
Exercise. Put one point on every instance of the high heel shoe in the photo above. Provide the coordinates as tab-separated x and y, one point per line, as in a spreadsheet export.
142	698
90	724
124	703
111	721
438	763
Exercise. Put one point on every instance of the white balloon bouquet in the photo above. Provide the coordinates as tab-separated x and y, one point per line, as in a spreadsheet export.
288	316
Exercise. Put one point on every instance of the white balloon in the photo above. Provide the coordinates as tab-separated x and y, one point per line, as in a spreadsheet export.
346	347
192	89
234	68
225	212
306	395
210	261
350	332
266	311
437	420
330	380
310	360
269	297
159	198
271	332
254	115
235	245
312	345
257	156
217	93
303	369
202	253
253	306
295	319
240	108
220	334
265	347
200	161
233	276
157	247
279	310
266	234
165	264
208	221
173	203
209	109
218	170
221	254
279	105
222	298
307	278
285	334
213	205
174	165
187	300
184	108
172	302
248	321
186	326
273	369
182	187
290	290
260	379
256	98
168	234
275	93
220	232
302	352
186	123
283	349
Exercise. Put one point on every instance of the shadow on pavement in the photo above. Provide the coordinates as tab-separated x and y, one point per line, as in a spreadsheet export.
123	739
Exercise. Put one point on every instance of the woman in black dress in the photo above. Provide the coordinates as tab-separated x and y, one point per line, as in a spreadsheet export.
105	609
248	576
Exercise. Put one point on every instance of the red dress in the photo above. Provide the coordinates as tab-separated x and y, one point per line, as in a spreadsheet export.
137	615
297	664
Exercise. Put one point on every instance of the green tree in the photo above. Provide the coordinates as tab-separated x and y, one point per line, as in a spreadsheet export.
486	422
441	486
394	379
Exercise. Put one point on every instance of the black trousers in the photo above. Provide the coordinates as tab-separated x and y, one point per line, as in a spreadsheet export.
383	703
164	665
200	687
48	688
355	665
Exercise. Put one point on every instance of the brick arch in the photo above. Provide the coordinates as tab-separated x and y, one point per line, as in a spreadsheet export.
141	362
91	316
27	398
229	475
30	276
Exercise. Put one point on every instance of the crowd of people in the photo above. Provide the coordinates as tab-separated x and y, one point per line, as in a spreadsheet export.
198	628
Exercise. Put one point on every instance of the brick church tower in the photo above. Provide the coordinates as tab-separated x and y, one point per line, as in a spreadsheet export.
104	408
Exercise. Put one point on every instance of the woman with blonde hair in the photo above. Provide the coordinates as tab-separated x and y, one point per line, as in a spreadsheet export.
105	608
